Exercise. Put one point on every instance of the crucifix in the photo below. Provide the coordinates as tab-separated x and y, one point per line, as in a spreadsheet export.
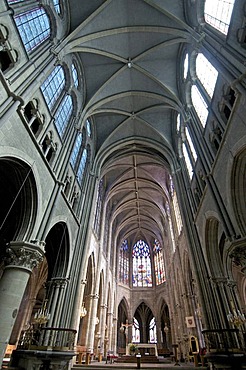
124	330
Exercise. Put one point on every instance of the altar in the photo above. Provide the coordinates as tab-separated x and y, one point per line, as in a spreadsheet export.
143	348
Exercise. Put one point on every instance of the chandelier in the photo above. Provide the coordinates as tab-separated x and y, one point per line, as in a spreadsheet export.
42	315
236	318
83	311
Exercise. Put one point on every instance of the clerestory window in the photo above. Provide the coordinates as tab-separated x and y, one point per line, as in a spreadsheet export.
75	75
218	13
76	150
63	114
57	6
53	86
158	263
82	165
206	74
33	27
124	263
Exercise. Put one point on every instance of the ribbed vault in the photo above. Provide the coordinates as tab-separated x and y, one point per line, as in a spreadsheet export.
131	52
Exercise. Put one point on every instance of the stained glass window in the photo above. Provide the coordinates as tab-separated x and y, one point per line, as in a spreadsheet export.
88	128
141	265
82	164
218	13
158	263
135	331
124	263
206	73
192	148
34	27
187	160
186	65
152	331
200	105
75	76
178	122
53	85
57	6
76	149
63	114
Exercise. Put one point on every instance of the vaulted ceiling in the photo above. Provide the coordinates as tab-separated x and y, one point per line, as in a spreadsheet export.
131	52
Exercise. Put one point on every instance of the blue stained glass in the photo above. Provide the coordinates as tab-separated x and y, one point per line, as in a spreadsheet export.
76	150
82	165
57	6
124	263
53	85
158	263
141	274
63	114
34	27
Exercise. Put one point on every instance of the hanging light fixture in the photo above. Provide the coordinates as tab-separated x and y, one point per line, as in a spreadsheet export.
42	315
83	311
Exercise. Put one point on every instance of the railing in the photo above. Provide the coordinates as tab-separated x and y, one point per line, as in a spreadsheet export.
58	339
224	340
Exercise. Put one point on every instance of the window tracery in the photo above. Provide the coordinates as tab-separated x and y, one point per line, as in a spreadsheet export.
141	270
63	114
53	86
158	263
33	27
124	263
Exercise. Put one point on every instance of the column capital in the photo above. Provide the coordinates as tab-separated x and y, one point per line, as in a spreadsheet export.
59	282
219	280
24	255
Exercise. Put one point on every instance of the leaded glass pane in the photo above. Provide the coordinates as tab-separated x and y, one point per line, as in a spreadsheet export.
218	13
34	27
186	65
75	76
206	73
192	148
76	150
152	331
82	165
141	274
187	161
53	85
57	6
88	128
199	104
135	331
63	114
158	263
124	263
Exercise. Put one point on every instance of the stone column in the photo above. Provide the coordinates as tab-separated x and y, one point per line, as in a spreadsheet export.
23	257
92	323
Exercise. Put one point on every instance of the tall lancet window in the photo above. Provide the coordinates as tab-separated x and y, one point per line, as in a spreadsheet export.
141	265
152	331
218	14
158	263
34	27
124	263
135	331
